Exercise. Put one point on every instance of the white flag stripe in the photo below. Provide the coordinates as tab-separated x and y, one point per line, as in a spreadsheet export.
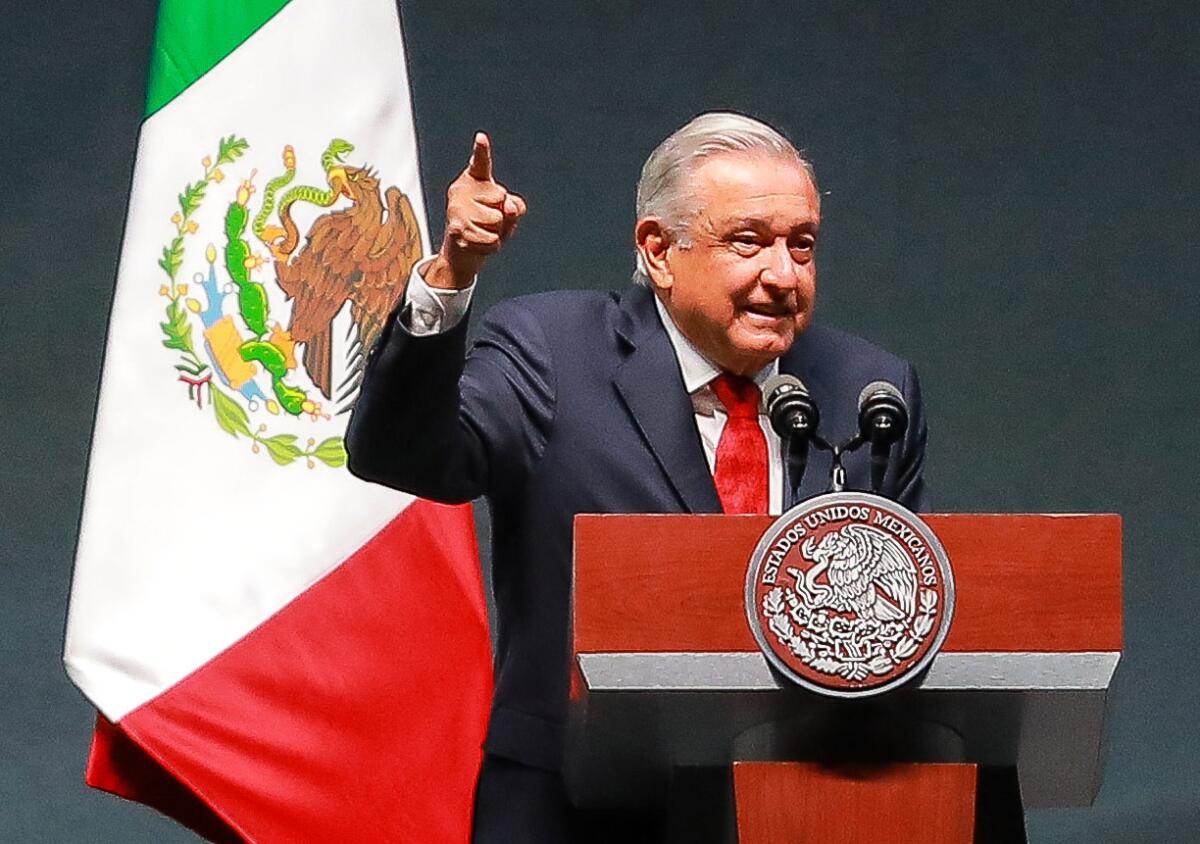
189	541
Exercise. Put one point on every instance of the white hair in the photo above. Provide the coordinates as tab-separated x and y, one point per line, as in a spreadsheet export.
667	190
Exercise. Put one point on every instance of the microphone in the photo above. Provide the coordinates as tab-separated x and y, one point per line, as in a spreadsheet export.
794	417
789	406
882	420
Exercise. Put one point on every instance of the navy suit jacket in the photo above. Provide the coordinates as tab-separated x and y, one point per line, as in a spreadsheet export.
573	402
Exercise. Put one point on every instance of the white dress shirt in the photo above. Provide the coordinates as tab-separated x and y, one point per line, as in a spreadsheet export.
711	416
434	310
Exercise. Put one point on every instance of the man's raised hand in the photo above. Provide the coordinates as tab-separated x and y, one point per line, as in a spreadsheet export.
480	215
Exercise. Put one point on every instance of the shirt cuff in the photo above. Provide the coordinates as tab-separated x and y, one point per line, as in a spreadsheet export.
432	310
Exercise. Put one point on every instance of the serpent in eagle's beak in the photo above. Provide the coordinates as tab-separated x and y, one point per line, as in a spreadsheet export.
338	181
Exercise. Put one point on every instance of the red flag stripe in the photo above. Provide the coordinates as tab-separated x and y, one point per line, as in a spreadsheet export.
355	713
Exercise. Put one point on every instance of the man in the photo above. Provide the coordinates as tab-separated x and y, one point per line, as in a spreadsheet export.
640	401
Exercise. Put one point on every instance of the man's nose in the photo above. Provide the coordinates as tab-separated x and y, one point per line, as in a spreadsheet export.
779	270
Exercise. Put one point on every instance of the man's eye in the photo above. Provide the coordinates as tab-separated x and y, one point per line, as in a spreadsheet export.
803	249
746	244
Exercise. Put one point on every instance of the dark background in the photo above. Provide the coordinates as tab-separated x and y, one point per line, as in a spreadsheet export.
1012	195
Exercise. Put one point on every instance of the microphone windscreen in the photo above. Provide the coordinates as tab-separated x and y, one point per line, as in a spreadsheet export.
881	389
778	386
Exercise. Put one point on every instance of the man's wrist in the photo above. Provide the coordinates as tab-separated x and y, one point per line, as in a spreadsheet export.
441	274
432	310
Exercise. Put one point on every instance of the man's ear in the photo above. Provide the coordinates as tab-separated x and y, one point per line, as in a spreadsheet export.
652	244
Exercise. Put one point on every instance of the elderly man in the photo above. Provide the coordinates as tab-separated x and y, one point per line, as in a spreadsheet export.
645	400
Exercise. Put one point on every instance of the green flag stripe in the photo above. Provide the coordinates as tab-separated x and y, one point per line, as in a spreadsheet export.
193	35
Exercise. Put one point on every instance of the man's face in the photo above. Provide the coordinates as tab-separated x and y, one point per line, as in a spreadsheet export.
744	287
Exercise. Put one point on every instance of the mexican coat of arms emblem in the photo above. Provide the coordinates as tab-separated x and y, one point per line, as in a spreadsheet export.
254	329
849	594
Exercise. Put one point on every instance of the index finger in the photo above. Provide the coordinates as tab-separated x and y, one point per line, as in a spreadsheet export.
481	159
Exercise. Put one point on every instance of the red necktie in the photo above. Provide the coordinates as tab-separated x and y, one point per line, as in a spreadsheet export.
741	468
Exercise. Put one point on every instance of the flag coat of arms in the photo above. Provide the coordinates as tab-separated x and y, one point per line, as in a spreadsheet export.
276	650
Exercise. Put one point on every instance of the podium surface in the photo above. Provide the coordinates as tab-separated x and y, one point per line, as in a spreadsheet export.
666	671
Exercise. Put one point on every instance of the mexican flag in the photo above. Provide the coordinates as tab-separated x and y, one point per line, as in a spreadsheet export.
276	650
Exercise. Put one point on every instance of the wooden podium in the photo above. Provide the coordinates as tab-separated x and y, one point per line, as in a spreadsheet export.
666	675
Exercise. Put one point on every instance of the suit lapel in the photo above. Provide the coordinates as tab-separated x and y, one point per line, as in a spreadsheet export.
651	386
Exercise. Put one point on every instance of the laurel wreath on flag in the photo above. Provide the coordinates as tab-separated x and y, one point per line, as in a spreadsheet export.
231	417
844	647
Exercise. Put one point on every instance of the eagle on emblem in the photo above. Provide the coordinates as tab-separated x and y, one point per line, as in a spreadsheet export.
867	574
361	253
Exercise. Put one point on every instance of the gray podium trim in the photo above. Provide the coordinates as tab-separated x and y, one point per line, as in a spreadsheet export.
746	672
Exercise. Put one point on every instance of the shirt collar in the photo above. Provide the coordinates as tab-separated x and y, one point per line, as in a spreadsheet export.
696	369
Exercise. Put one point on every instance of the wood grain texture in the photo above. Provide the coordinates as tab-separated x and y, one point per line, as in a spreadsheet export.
794	802
662	583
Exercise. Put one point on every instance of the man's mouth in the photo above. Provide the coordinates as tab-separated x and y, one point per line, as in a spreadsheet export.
770	310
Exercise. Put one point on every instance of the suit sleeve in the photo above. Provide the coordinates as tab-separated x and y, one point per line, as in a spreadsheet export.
908	478
444	424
